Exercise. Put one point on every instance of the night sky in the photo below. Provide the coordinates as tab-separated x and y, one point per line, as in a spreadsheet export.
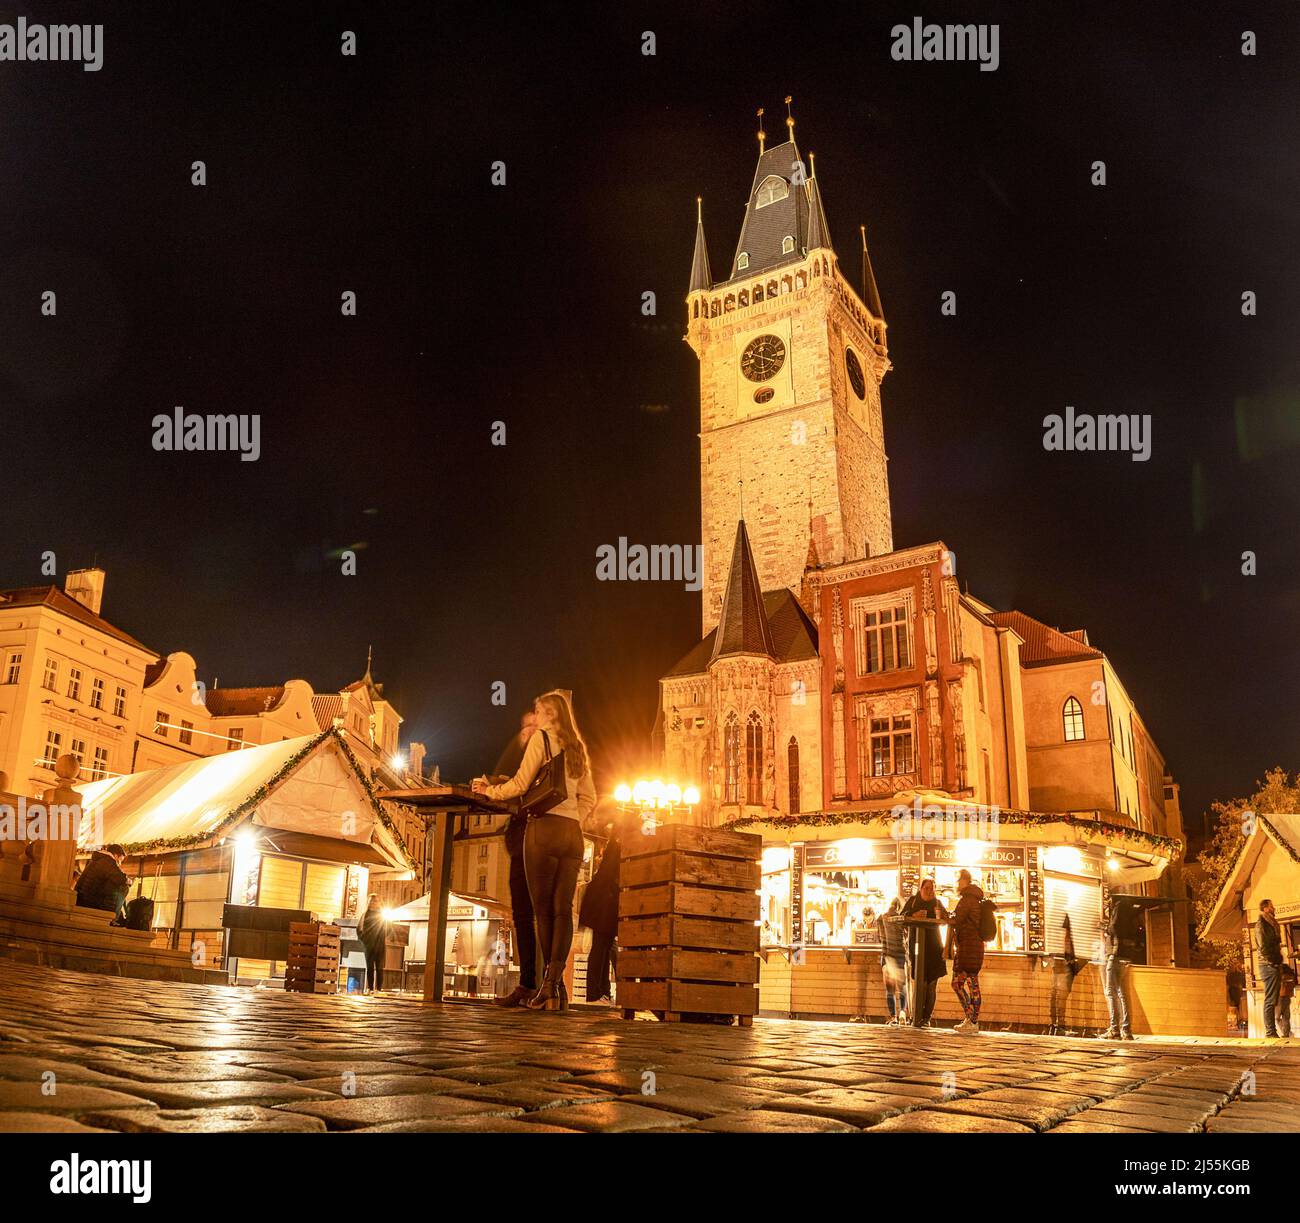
522	303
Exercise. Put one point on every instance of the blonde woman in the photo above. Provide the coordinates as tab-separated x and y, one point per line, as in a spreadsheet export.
553	842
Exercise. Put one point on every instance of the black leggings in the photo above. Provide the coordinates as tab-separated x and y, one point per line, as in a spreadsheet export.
552	858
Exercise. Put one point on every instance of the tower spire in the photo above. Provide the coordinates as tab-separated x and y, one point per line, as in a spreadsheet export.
819	234
762	135
870	294
789	116
743	627
701	277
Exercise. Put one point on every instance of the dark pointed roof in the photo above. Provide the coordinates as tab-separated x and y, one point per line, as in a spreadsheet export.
763	230
743	627
794	636
701	278
819	233
870	294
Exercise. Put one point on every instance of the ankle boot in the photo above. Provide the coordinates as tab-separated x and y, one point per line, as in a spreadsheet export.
549	996
518	996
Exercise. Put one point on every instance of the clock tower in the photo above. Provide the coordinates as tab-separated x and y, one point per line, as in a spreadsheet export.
792	354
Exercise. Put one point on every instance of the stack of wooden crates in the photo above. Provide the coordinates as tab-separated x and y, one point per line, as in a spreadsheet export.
313	963
687	932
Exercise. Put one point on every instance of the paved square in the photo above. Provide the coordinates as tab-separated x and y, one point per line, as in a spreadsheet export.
82	1052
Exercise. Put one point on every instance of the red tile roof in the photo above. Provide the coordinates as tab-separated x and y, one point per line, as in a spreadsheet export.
242	702
1044	644
57	600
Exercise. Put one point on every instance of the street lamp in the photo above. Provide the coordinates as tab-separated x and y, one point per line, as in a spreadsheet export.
657	800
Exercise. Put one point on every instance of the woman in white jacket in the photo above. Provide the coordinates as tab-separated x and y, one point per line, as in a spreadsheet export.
553	842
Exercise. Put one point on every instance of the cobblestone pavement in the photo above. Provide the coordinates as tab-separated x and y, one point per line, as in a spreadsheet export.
80	1052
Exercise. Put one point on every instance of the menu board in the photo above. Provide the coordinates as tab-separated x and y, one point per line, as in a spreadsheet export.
909	858
848	854
1034	888
981	854
796	895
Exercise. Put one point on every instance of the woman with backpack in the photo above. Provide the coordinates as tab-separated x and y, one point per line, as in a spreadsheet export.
967	937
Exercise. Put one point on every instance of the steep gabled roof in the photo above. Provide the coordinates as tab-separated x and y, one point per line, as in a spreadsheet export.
1044	644
794	636
819	232
743	627
701	277
870	294
242	702
59	601
764	229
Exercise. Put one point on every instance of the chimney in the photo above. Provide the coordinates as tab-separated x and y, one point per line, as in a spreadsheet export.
415	758
87	587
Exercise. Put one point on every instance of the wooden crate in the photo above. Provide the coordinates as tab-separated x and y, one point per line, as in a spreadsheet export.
312	966
688	934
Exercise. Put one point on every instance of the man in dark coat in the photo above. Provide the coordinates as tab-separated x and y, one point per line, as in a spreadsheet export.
103	884
599	913
1268	958
893	963
521	904
968	957
926	903
372	930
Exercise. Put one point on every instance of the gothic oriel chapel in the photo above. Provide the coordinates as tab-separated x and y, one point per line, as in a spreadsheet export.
839	675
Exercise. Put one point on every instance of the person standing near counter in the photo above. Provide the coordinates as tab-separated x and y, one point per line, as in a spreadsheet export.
1113	934
1268	954
926	903
521	904
553	844
372	930
964	934
893	963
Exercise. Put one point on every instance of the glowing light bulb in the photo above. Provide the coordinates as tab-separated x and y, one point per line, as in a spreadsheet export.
623	793
673	792
691	796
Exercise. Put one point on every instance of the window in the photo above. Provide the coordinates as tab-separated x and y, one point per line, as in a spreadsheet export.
78	748
53	748
97	693
236	739
482	851
100	768
482	883
885	746
792	765
74	684
754	760
187	731
119	703
731	760
884	640
743	261
771	189
14	669
1073	718
51	673
787	245
162	722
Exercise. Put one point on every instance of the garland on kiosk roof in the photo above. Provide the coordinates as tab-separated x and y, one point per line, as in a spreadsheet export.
261	794
1146	841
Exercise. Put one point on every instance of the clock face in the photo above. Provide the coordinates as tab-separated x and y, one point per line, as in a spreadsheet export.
854	367
762	358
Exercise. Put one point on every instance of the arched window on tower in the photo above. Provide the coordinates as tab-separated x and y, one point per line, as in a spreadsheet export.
743	300
758	293
731	760
1073	718
754	760
792	757
743	261
771	189
787	245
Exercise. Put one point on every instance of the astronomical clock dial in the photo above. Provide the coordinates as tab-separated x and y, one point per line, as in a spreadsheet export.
854	367
762	358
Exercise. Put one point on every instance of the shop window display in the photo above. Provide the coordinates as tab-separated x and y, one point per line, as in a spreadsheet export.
842	906
1004	886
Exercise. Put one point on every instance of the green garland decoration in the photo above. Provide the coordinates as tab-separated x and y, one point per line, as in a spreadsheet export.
1149	841
261	794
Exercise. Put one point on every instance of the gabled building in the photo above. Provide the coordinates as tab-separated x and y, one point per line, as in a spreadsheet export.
841	679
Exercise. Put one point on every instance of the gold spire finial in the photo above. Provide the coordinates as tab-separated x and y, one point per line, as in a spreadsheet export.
812	161
762	135
699	209
864	236
789	114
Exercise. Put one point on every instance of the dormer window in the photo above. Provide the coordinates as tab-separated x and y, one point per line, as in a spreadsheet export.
787	245
771	189
743	262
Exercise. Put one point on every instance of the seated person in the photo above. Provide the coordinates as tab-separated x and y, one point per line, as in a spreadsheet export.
103	884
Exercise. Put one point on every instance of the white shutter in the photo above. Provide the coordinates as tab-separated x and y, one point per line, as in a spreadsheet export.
1081	900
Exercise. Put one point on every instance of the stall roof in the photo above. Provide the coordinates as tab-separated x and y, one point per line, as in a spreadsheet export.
310	785
1224	920
418	910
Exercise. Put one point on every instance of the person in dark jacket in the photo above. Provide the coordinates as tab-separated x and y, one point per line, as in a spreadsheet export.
1118	927
103	884
968	957
373	933
893	962
1268	955
599	913
521	903
926	903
